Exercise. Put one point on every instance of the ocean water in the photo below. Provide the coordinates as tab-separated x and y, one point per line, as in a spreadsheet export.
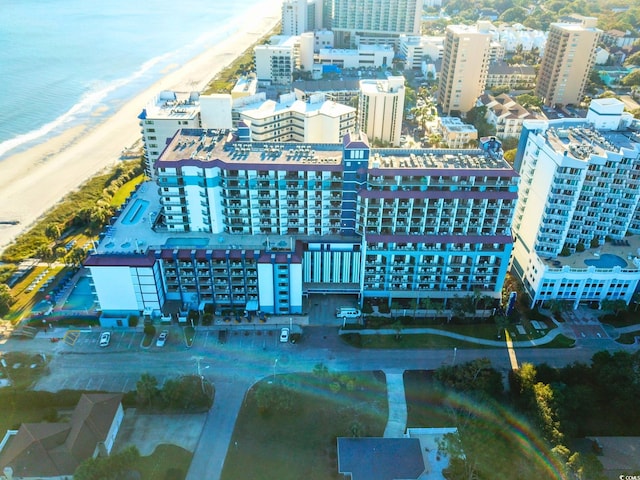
62	61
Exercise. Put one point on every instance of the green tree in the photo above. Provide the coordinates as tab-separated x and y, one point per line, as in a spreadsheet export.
6	299
107	468
632	79
633	59
146	389
52	231
528	100
477	376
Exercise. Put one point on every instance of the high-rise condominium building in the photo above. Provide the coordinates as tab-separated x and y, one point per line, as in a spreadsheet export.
568	58
578	201
262	226
380	109
465	65
374	21
299	16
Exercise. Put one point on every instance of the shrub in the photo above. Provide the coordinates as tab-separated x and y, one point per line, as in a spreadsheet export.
580	247
149	330
367	308
384	308
133	321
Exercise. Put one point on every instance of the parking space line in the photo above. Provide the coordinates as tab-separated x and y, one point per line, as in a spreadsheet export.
124	387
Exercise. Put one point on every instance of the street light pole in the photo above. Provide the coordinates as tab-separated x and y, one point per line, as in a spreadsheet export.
275	363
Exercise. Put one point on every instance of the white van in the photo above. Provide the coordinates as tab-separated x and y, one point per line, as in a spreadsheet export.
348	312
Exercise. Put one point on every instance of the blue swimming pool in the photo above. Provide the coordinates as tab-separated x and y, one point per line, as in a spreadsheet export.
186	242
135	212
607	261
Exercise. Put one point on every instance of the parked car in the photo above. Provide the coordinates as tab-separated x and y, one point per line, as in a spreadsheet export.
105	338
284	335
162	338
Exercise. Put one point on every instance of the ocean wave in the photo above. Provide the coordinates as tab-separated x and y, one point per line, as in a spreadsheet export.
99	91
88	102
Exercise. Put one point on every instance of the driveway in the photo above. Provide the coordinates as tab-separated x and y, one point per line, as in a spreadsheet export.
147	431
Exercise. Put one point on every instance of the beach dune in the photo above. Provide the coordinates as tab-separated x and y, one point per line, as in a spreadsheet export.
31	182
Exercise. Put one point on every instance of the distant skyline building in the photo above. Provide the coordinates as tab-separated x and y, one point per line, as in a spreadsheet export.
465	66
358	22
294	17
568	58
381	109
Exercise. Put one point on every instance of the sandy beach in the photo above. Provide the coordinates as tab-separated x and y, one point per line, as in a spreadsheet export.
31	182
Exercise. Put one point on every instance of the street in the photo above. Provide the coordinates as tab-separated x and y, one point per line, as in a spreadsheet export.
243	358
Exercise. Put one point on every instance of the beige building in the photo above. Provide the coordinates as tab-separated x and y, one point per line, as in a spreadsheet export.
380	109
465	65
567	61
456	134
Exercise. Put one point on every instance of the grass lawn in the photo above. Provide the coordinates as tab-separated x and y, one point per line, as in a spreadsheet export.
628	338
14	414
168	462
125	190
425	406
24	300
560	341
301	442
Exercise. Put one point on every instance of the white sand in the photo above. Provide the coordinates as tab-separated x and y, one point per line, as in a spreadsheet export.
33	181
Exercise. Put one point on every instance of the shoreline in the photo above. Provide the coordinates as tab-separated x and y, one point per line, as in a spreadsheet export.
34	180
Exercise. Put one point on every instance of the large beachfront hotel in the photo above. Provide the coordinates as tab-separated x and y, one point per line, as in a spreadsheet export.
577	221
261	226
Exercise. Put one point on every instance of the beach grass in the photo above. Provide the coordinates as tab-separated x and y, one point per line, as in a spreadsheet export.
224	81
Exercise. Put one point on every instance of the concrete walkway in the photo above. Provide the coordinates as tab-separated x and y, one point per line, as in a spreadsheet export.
211	451
397	404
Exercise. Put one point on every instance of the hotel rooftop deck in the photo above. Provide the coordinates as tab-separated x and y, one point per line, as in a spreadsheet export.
602	256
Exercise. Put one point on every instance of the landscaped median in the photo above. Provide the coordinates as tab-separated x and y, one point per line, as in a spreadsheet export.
449	336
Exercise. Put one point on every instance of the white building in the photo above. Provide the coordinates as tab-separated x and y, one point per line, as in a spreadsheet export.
414	49
505	114
578	198
381	108
291	120
456	134
363	57
294	17
357	22
276	61
162	117
323	39
513	36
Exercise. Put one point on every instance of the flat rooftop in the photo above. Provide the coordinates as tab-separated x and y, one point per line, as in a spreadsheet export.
169	104
439	159
131	233
582	142
203	146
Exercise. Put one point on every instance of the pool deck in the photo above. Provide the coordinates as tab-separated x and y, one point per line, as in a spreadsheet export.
576	260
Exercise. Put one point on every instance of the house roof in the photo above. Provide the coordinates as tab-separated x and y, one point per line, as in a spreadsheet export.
60	447
91	421
380	458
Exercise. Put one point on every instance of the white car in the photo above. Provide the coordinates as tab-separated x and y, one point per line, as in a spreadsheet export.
162	338
284	335
105	338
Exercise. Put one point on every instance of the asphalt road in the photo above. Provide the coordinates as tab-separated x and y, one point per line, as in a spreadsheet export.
243	359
